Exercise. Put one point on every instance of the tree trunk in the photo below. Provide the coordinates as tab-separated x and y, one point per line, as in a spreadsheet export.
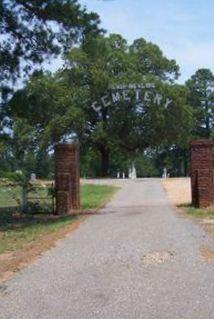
104	162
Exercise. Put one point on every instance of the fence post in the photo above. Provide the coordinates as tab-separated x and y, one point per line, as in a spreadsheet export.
202	173
67	178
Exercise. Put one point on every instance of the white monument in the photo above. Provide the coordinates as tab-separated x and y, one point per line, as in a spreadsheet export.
164	173
132	172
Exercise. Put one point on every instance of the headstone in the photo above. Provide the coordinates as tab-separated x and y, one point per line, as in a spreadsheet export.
164	173
33	177
134	172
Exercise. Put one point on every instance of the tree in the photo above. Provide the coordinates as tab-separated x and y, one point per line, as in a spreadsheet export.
36	30
103	62
33	32
49	107
63	105
38	116
201	97
150	60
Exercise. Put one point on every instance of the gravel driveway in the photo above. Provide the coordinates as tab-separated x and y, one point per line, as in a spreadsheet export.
136	259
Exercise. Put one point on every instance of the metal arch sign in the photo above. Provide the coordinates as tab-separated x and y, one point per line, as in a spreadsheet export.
142	93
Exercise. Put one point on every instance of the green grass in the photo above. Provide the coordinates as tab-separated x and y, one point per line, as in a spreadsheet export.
18	235
18	230
94	196
9	196
198	212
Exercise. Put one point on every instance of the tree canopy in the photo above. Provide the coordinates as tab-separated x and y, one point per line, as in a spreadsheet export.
60	105
32	30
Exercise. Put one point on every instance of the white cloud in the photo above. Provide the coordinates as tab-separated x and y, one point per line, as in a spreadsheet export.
194	57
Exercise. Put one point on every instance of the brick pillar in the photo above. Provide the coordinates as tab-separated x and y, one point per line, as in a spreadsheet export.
67	178
202	173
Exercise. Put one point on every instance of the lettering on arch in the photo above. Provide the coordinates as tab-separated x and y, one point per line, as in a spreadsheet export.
144	93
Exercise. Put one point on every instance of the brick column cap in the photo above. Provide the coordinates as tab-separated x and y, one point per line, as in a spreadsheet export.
202	142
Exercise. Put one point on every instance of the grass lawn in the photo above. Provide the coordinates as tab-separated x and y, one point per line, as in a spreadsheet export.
9	195
198	212
94	196
17	230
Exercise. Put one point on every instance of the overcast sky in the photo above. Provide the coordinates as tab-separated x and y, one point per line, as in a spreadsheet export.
184	29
